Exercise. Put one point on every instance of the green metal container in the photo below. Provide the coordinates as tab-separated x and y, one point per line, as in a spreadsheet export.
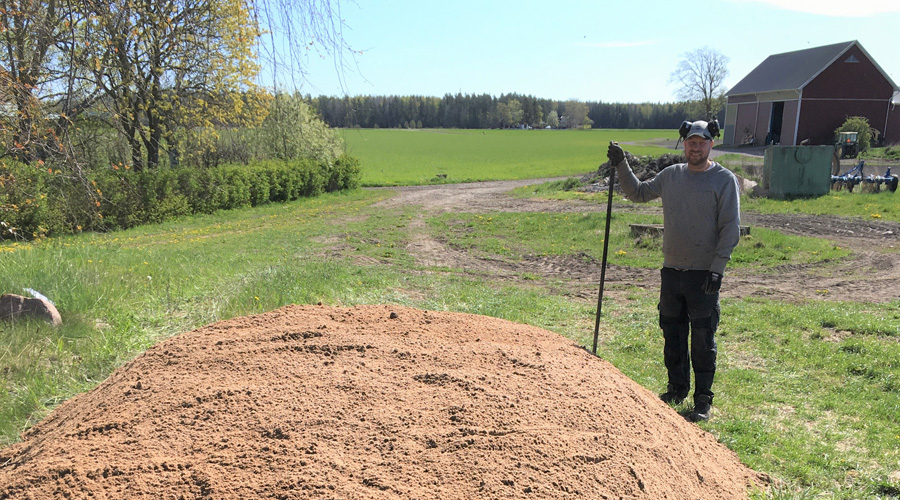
791	171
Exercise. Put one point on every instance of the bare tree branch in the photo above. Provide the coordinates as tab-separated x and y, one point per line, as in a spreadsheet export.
701	77
295	30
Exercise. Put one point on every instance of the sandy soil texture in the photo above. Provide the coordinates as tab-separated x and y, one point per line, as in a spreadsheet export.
370	402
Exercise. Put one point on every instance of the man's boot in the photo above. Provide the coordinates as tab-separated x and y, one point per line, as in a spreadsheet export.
673	395
702	406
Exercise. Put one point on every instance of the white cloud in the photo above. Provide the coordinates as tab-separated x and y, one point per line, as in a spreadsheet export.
836	8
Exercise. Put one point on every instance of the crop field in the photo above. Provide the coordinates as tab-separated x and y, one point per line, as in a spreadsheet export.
394	157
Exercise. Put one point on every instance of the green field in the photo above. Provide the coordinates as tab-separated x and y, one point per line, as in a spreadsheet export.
808	392
396	157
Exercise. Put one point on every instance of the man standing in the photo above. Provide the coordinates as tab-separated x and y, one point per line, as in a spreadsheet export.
701	218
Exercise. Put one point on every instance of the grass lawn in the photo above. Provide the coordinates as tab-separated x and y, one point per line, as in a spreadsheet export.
396	157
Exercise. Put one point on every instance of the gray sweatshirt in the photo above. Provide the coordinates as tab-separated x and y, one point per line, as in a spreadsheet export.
701	213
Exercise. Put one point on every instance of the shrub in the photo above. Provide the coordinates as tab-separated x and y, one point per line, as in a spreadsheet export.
293	130
860	125
25	211
35	202
344	174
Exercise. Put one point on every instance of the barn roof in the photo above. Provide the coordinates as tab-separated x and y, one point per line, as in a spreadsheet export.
793	70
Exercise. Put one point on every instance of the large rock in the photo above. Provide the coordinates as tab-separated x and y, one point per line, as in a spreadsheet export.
15	306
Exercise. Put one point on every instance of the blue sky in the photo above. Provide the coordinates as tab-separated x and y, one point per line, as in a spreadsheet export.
621	51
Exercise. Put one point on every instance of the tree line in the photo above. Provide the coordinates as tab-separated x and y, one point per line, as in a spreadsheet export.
476	111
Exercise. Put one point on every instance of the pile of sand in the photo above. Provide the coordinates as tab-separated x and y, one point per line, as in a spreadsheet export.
370	402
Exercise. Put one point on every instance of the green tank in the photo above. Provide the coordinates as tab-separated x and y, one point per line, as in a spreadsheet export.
796	171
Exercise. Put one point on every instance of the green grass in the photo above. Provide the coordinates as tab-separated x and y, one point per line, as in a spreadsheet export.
884	205
807	392
514	235
395	157
889	153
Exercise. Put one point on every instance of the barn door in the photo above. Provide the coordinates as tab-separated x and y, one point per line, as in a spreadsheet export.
777	117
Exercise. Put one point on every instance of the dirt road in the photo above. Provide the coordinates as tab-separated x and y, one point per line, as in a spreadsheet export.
870	274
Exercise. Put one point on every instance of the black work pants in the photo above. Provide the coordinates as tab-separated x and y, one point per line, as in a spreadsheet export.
686	311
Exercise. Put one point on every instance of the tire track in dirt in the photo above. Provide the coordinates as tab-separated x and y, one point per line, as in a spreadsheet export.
870	274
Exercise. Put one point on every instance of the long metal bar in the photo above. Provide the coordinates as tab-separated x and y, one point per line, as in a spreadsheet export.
612	182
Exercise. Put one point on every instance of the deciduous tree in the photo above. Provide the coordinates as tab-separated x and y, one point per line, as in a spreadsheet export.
170	67
576	115
293	130
553	119
700	76
35	37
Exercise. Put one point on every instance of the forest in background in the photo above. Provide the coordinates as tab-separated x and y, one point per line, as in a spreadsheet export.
482	111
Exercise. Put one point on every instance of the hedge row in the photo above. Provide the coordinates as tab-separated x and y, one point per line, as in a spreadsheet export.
38	201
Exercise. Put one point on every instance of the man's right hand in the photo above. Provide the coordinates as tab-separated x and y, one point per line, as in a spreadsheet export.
615	153
713	283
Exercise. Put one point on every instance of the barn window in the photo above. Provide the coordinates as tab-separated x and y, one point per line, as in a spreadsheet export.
852	59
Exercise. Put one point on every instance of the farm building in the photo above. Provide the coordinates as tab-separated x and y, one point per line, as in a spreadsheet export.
803	96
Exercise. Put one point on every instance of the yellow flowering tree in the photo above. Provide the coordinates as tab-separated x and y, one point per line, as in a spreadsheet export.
170	68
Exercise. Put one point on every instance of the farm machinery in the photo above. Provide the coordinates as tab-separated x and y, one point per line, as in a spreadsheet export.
847	145
855	177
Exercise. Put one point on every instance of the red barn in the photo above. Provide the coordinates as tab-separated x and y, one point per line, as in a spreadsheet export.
803	96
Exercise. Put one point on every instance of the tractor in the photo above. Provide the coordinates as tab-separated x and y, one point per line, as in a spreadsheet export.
847	145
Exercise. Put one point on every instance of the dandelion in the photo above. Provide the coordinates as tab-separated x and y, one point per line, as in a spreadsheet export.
876	216
621	252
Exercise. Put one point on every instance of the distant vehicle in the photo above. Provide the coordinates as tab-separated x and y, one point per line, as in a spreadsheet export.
847	145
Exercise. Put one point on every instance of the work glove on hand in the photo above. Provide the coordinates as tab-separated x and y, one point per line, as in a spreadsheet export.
712	283
615	153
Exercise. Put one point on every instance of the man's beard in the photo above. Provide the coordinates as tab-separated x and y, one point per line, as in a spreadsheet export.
702	160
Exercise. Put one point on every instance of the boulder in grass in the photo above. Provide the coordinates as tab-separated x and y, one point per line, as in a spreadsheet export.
16	306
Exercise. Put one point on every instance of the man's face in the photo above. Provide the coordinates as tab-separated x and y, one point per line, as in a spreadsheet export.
696	150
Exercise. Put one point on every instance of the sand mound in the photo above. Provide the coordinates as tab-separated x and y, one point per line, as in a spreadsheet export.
360	403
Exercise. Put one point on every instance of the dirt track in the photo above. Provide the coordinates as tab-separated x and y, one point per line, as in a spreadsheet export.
871	274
